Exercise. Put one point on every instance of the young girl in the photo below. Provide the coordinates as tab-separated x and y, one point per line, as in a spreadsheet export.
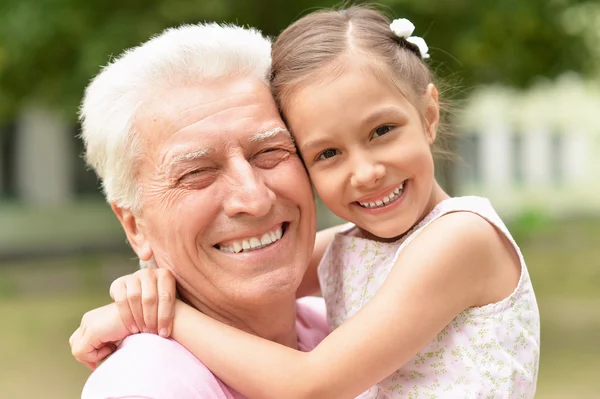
428	296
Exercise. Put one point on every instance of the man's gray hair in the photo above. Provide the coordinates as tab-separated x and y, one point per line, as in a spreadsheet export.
177	57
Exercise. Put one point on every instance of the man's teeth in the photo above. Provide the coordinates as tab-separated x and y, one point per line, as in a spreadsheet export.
254	242
386	199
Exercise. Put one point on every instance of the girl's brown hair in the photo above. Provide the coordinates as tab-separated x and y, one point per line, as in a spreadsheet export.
320	43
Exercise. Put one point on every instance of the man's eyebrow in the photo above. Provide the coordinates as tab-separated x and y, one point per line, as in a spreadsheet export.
262	136
167	168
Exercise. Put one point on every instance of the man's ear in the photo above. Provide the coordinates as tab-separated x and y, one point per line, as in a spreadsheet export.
432	112
135	235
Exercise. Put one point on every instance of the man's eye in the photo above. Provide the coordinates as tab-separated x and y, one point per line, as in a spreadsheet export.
196	174
328	153
193	173
381	130
271	157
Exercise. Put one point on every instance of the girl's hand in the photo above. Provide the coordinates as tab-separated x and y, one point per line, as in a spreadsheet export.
146	301
97	335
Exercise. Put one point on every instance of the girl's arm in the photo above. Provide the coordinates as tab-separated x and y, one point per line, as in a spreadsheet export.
146	303
455	263
310	281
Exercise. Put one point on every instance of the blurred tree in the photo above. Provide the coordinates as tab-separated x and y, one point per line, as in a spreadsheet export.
510	41
49	49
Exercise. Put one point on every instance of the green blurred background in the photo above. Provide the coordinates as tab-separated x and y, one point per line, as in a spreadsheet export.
523	76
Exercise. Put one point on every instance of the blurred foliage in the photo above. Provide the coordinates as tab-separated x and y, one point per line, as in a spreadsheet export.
527	224
49	49
509	41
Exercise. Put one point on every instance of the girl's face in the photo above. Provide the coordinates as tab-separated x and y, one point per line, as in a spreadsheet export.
367	150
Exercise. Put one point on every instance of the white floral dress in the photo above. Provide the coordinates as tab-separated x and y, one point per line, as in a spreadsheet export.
486	352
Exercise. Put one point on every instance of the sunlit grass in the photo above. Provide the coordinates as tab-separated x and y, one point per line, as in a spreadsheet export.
35	359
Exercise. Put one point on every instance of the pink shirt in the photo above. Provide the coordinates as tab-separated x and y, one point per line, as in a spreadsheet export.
147	366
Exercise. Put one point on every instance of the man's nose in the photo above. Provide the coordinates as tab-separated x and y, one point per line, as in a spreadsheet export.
248	191
366	173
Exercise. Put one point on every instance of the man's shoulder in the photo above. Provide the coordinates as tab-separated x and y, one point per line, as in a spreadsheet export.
148	366
311	322
311	306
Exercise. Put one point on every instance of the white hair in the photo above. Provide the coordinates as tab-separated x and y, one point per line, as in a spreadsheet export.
175	58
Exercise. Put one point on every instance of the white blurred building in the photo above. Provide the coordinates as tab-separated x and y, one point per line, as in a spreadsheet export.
40	160
533	150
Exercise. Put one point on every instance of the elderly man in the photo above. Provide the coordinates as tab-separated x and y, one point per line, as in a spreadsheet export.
195	158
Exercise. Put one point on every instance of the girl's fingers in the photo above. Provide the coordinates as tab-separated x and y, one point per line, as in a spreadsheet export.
166	302
149	299
118	292
134	299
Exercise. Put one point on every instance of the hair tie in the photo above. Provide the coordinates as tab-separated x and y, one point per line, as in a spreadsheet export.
403	28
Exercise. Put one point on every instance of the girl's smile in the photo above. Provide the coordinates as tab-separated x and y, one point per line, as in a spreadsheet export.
367	149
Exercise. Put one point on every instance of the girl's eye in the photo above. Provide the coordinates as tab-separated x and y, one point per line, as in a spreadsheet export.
328	153
381	130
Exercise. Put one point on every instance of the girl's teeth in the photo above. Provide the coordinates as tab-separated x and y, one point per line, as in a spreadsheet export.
385	200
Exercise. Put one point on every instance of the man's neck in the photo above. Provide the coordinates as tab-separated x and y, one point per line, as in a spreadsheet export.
274	321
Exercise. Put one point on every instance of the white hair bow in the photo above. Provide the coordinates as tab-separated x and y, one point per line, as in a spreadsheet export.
403	28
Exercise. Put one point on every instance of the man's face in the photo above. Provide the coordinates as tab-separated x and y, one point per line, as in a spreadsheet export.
226	203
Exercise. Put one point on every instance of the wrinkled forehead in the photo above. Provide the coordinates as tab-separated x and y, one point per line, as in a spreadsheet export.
239	104
207	117
182	105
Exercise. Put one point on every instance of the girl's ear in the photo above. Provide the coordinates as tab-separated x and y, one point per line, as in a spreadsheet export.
432	113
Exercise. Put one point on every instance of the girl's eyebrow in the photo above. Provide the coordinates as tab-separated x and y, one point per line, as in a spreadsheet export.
382	113
314	144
